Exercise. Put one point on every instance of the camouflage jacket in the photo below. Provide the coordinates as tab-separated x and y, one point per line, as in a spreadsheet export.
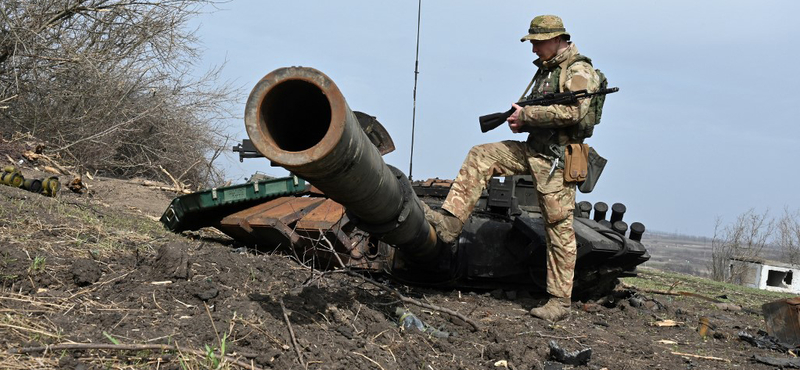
554	124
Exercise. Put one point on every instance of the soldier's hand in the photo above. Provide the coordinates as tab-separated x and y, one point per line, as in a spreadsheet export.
513	120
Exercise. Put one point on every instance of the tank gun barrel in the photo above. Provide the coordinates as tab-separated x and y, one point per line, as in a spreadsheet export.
298	118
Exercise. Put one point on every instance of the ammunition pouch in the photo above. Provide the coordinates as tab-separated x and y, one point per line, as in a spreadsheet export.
596	163
576	158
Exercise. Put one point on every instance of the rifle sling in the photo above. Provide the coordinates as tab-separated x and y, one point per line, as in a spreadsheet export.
521	98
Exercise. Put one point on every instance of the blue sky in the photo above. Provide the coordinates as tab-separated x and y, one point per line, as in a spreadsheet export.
704	125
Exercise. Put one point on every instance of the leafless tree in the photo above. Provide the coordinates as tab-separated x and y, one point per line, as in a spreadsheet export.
745	238
788	238
110	85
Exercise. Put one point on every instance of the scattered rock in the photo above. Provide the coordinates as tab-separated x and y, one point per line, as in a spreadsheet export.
575	358
203	290
85	272
497	294
173	262
341	316
345	331
650	305
497	351
592	307
728	307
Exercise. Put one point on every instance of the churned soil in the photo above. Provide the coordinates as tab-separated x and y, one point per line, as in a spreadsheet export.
97	269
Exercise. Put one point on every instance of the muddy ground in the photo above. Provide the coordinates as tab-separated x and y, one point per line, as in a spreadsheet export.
97	269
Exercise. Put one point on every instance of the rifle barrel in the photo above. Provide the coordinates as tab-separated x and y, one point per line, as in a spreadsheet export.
491	121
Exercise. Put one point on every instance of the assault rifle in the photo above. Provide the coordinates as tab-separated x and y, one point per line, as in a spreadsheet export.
491	121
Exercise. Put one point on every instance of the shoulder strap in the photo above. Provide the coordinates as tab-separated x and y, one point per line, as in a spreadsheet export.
565	66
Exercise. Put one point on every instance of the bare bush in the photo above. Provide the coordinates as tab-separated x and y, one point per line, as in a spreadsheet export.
109	85
744	239
788	238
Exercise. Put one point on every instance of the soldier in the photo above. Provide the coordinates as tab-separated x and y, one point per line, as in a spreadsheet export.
550	128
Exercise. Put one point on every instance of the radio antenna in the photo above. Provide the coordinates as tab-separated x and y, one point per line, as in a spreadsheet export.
414	111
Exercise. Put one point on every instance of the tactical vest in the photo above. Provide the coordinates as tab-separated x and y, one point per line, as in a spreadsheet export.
550	81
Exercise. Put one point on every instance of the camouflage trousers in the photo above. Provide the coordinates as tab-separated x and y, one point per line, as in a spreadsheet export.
556	199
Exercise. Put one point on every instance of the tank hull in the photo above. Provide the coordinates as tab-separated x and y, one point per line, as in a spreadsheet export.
363	214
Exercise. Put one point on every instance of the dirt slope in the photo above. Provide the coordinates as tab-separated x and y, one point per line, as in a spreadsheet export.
98	269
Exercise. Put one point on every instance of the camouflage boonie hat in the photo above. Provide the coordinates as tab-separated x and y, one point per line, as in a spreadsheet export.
545	27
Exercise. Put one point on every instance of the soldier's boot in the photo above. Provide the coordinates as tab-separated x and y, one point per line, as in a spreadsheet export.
447	226
556	309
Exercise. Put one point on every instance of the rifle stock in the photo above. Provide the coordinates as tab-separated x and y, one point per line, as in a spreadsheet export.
492	121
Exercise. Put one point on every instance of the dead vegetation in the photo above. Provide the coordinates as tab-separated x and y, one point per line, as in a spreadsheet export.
788	239
746	237
749	237
112	86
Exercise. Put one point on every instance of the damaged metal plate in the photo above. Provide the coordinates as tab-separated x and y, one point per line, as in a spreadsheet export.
376	133
782	318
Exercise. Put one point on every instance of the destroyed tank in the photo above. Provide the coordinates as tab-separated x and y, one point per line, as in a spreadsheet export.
363	214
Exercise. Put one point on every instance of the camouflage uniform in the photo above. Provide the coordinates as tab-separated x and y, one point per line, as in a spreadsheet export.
547	125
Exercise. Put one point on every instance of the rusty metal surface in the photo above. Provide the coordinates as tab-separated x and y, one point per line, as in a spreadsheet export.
312	227
330	149
782	319
326	216
326	227
433	188
436	183
314	191
240	218
236	225
285	213
258	113
269	224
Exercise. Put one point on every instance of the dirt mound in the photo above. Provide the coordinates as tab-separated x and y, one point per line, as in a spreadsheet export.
98	278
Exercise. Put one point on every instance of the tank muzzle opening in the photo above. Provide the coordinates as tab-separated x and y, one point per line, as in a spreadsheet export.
297	115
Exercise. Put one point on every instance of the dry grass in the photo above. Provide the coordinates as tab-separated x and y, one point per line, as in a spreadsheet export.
27	323
50	233
752	298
